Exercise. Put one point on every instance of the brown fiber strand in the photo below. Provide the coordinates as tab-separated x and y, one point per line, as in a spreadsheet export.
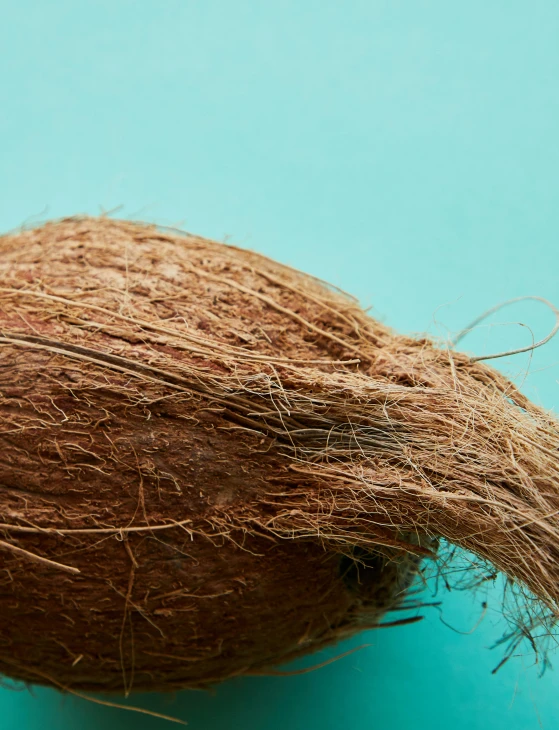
234	455
96	700
36	558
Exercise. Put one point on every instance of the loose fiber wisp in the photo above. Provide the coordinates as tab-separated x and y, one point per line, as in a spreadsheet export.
211	464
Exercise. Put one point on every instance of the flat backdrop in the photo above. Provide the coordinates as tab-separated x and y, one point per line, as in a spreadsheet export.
406	151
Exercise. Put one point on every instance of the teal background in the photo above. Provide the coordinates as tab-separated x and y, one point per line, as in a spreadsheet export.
406	151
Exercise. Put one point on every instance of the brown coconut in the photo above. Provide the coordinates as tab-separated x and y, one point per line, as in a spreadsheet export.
211	464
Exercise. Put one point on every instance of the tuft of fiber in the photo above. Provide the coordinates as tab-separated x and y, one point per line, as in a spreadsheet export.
211	463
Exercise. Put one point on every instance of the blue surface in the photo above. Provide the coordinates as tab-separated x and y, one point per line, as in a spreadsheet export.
406	151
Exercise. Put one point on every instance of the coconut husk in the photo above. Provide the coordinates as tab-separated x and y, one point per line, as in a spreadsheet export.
212	464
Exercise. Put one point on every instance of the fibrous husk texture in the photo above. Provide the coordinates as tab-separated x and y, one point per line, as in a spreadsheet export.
211	463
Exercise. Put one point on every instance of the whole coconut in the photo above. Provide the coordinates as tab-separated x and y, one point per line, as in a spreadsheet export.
211	463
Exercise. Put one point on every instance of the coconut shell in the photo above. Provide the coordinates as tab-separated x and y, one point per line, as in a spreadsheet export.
212	464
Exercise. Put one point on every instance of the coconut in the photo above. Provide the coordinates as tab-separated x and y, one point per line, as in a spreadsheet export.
213	464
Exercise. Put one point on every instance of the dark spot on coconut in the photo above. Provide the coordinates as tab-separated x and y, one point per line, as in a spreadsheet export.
362	571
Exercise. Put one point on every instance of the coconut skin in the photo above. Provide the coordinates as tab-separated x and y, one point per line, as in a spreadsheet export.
212	464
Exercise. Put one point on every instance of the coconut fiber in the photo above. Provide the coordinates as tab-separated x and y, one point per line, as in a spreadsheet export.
211	463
